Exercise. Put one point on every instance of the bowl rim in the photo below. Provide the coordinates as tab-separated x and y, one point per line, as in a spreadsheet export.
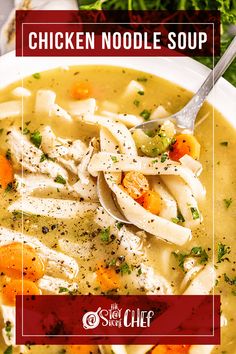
183	71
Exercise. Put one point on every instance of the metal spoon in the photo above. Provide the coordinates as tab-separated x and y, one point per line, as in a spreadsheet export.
184	119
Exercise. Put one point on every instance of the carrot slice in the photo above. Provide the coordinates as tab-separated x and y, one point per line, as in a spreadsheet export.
136	184
6	172
12	257
185	144
107	278
82	349
171	349
18	287
81	90
151	201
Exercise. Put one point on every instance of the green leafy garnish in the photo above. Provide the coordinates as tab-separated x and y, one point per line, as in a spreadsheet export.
63	290
26	131
36	138
222	251
9	350
141	93
125	269
43	157
8	327
9	187
228	202
230	281
105	235
114	159
224	143
136	103
119	225
8	155
60	179
36	76
145	114
142	79
164	156
196	252
195	213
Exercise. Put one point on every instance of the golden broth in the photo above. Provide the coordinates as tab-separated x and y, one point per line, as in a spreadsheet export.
219	165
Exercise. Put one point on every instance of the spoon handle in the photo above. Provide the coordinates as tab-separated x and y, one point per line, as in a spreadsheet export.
186	117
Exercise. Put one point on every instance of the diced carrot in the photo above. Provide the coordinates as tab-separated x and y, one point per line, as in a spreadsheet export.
6	172
171	349
18	287
151	201
107	278
185	144
12	257
81	90
136	184
82	349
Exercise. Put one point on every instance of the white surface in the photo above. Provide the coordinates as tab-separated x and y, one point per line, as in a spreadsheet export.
186	72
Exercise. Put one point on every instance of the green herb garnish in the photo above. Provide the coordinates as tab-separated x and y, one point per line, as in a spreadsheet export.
145	114
141	93
60	179
36	138
105	235
142	79
136	103
114	159
119	225
196	252
36	76
164	156
195	213
228	202
224	143
222	251
9	350
125	269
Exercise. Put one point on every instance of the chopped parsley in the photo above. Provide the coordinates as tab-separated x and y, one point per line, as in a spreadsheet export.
224	143
114	159
197	252
195	213
136	103
36	138
141	93
43	158
26	131
8	155
8	328
178	219
119	225
228	280
142	79
105	235
9	187
36	76
164	156
63	290
139	272
9	350
145	114
125	269
222	251
60	179
228	202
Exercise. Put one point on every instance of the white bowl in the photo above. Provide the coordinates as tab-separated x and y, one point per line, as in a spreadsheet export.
183	71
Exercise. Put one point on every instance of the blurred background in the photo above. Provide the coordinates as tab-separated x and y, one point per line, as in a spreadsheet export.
226	7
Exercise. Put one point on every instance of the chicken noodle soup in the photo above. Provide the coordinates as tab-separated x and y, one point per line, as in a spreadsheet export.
76	124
